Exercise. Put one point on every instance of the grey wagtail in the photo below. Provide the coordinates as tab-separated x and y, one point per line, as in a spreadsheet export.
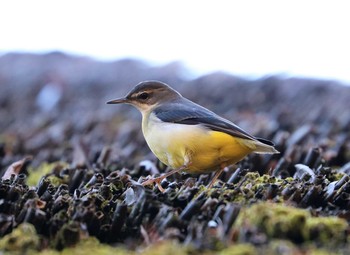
186	136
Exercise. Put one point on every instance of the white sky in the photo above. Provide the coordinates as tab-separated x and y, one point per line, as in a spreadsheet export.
310	38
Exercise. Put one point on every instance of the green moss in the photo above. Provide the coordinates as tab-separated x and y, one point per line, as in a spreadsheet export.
44	252
337	176
326	230
205	189
239	249
87	246
274	220
35	174
316	251
69	235
287	222
278	247
256	181
251	176
92	246
167	247
244	191
56	181
22	239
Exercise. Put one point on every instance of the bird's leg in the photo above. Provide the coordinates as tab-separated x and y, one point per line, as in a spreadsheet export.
158	180
216	176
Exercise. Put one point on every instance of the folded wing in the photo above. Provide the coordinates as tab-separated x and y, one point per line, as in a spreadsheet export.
196	115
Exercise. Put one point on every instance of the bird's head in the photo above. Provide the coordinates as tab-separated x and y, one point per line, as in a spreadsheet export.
148	94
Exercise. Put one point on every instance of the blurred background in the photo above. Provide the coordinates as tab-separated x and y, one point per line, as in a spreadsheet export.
279	69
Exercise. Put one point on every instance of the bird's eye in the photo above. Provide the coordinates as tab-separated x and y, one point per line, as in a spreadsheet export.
143	96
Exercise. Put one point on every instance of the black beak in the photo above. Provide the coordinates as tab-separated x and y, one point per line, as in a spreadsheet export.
118	101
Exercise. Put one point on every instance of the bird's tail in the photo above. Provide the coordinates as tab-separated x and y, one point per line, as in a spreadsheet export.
263	146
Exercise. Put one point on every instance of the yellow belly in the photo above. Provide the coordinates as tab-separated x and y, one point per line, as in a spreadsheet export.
202	149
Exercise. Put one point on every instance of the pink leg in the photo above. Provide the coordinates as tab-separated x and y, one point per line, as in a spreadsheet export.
160	178
216	176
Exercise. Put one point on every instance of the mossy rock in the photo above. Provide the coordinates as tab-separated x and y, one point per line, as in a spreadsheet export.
239	249
20	240
35	174
326	230
287	222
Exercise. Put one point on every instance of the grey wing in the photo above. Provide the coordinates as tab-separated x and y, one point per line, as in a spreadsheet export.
193	114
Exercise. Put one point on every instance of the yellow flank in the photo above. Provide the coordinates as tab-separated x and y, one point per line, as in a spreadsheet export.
217	150
204	150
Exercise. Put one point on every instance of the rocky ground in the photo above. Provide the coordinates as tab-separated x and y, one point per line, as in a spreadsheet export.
71	165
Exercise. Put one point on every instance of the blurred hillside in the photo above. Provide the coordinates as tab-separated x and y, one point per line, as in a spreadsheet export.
51	100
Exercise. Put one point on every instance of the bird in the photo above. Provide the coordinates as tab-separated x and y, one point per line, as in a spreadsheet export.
186	136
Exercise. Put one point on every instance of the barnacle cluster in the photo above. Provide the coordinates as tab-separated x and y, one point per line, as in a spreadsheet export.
79	191
70	205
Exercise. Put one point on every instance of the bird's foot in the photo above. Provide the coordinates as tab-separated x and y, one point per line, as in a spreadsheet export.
216	176
157	180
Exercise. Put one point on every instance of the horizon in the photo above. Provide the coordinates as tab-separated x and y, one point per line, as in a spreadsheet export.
247	39
189	74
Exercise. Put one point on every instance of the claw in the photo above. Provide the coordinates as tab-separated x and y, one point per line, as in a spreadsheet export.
216	176
157	181
152	180
160	178
160	187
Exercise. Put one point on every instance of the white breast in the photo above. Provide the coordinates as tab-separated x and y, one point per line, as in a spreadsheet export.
170	142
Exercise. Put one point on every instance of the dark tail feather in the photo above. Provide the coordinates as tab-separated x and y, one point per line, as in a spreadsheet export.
264	146
264	141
